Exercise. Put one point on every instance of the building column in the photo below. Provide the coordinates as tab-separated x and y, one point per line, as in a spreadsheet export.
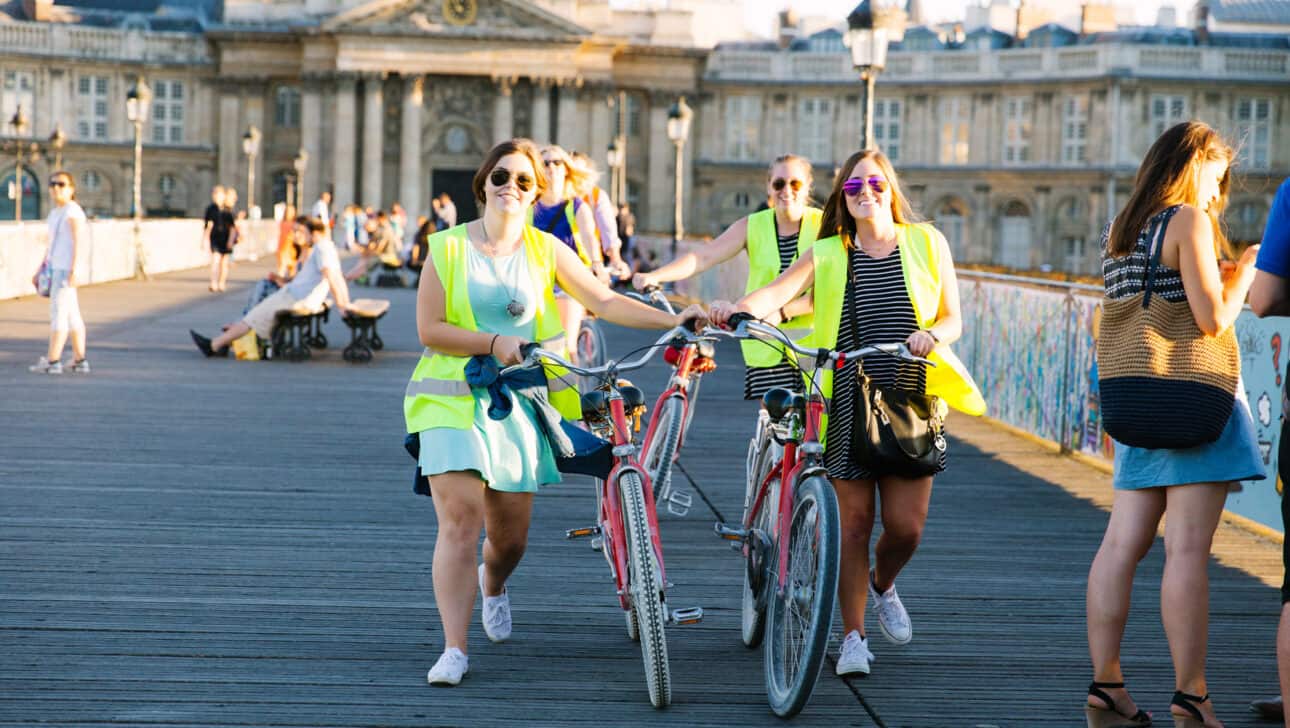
311	141
601	131
1043	241
373	141
658	192
983	227
230	141
503	112
541	125
346	142
410	148
570	129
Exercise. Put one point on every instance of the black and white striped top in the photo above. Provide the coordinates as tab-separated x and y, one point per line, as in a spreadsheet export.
876	310
759	380
1124	276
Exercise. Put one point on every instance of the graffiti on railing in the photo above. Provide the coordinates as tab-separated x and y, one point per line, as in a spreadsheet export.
1032	346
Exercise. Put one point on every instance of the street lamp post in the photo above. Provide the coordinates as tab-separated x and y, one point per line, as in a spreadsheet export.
57	140
251	147
138	102
615	158
19	125
300	163
870	27
678	130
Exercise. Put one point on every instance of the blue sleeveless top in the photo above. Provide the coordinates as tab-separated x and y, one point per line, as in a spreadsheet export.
553	220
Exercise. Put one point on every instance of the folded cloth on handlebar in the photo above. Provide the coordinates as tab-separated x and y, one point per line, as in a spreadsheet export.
576	450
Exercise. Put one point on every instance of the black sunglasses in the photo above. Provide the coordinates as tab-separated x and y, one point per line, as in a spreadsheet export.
500	176
779	182
58	183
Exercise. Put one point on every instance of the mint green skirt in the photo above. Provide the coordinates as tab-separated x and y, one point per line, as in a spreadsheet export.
511	455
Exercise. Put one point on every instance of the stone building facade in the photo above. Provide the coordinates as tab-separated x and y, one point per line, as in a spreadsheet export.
1019	149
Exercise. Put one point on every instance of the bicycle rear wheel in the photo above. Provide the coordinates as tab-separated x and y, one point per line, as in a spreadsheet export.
798	621
757	568
646	587
659	453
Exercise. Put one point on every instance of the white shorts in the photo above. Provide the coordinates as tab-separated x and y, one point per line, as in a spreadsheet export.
260	317
64	304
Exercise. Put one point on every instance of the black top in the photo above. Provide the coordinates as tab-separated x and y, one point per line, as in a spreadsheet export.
221	222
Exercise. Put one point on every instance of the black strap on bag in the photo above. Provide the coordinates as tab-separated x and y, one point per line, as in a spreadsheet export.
894	431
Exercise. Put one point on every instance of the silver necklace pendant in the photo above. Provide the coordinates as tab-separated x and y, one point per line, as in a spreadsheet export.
515	308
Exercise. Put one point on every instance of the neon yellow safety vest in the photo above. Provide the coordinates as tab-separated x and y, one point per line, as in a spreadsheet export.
763	267
438	395
920	263
571	216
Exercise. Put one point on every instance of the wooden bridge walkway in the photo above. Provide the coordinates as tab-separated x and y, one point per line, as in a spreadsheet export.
187	542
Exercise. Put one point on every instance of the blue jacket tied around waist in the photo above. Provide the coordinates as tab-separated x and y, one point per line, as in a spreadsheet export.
576	450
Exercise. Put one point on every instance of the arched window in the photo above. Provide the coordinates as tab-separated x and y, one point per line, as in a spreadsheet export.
951	219
1015	235
9	195
286	107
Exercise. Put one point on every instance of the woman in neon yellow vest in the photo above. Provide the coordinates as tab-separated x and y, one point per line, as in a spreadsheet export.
560	212
879	278
487	289
774	238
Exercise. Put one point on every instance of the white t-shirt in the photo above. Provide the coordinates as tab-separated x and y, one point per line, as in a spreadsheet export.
321	212
60	234
309	285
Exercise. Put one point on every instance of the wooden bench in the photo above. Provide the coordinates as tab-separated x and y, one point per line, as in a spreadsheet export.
298	331
361	319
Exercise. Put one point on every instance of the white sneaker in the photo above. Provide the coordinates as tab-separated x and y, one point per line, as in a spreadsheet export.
451	667
43	366
854	657
496	612
892	617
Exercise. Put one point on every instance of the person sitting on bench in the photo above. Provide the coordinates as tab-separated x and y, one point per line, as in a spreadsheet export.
382	246
319	273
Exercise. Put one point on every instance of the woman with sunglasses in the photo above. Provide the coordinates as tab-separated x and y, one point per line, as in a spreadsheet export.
774	238
67	233
488	288
560	212
879	278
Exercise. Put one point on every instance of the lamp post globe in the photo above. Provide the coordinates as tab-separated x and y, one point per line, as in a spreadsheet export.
871	26
679	118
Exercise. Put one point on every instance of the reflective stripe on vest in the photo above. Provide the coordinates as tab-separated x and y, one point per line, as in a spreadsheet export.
920	264
763	267
437	395
572	217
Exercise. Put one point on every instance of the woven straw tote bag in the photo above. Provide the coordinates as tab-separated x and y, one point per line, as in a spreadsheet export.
1164	383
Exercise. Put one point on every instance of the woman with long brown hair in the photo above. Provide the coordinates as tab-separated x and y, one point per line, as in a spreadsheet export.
1180	190
880	277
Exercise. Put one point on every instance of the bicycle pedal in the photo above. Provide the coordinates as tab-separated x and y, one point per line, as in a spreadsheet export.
597	543
582	532
687	615
679	502
728	533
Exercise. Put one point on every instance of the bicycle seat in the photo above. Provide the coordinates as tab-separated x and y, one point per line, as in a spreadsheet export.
595	405
633	397
779	402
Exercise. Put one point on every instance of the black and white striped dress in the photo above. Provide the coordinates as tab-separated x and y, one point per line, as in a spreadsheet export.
759	380
876	306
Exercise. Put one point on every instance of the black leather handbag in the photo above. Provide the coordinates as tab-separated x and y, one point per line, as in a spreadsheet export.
895	431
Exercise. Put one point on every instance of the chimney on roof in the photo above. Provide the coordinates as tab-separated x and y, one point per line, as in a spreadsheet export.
37	10
789	27
1167	17
914	12
1202	22
1096	17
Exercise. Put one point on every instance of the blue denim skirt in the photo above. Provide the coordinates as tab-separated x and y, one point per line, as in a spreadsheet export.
1234	456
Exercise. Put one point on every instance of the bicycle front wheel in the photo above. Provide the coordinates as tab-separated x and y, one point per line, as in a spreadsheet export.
646	587
661	449
590	351
758	565
798	621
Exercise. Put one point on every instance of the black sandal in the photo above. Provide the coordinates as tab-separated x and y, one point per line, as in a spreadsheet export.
1188	702
1111	716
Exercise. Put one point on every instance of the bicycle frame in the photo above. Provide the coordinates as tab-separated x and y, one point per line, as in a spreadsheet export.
678	386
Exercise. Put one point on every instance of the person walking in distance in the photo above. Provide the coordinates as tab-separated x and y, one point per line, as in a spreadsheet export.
218	232
878	278
1270	296
322	209
1169	228
487	289
67	234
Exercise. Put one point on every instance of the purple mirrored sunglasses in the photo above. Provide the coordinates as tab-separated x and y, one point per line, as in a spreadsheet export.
852	186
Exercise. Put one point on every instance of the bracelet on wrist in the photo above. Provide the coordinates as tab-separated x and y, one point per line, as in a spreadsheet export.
492	343
932	334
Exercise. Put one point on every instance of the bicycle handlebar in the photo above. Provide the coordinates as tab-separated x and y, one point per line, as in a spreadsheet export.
533	355
748	327
652	295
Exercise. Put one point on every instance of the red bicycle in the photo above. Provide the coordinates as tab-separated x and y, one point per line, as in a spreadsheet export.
627	520
690	357
790	528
